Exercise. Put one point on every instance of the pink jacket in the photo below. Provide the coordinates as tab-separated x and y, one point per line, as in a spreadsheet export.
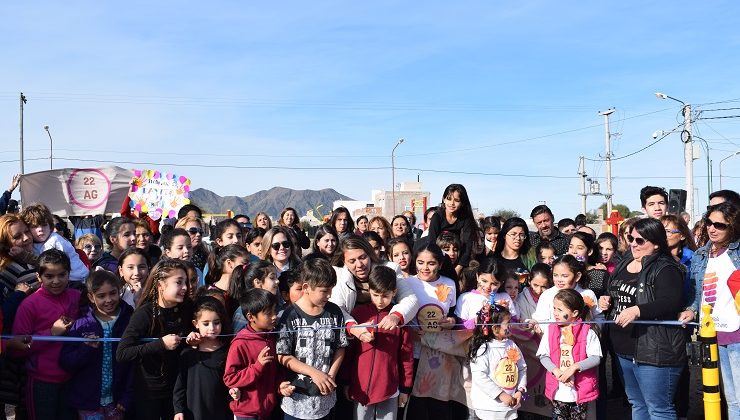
586	382
35	316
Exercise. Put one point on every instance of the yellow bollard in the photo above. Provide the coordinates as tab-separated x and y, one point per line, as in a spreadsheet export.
709	365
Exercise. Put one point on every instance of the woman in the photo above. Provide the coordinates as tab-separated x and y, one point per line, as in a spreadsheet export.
324	244
645	286
713	264
380	225
194	227
455	215
512	246
400	227
362	225
624	229
263	221
582	246
278	249
342	222
355	261
17	279
682	247
289	219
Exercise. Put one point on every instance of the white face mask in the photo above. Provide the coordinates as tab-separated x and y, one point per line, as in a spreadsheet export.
489	244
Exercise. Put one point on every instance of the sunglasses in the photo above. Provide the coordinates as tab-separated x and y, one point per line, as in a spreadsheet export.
638	241
717	225
90	247
195	231
672	231
285	244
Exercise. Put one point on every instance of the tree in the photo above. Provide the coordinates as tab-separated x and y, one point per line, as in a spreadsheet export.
505	214
623	210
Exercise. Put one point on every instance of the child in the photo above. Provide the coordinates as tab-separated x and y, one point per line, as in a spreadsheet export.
511	286
498	370
100	388
546	253
290	286
491	227
381	371
486	290
400	253
540	279
133	269
376	242
221	264
50	310
567	273
119	234
90	245
257	275
164	311
253	240
311	344
199	391
251	365
176	244
570	351
40	222
450	245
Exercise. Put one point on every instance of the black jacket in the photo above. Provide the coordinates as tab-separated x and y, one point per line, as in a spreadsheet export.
658	345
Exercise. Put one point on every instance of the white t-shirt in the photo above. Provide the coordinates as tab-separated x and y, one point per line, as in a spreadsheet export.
716	293
567	393
440	293
543	313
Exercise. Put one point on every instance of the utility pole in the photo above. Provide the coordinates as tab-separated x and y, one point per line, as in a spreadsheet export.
608	158
51	148
688	153
393	176
582	173
22	101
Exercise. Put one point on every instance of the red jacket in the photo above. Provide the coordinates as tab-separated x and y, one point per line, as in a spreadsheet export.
376	370
258	383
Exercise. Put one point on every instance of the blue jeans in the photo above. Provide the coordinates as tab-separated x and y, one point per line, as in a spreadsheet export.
650	389
729	366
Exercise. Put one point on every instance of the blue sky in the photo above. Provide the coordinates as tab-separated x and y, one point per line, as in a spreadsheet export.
475	88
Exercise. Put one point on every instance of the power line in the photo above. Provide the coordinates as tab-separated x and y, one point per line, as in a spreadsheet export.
637	151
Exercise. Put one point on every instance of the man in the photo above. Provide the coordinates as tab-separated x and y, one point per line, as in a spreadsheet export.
654	201
5	198
545	222
724	195
414	231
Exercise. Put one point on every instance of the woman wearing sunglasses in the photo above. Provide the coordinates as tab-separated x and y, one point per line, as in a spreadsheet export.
644	286
711	267
194	227
278	249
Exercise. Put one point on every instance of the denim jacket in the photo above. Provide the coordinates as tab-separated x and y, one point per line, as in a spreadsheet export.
699	265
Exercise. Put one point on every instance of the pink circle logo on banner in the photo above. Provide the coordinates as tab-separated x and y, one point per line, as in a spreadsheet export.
88	188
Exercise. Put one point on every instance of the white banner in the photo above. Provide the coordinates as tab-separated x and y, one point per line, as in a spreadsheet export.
78	191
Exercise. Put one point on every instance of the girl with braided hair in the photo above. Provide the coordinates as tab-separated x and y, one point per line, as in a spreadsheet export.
498	370
164	313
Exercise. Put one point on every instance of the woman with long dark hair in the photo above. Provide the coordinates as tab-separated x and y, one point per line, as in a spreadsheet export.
455	215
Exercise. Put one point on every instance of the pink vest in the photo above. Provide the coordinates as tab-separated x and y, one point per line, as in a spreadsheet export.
587	382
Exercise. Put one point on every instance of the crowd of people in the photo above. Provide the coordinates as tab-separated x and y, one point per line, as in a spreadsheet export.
371	318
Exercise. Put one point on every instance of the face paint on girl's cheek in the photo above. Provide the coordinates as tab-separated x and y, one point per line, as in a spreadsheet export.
565	317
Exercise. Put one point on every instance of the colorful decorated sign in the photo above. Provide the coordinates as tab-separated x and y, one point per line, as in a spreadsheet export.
77	191
159	194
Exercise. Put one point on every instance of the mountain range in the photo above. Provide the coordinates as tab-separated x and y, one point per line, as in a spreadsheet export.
271	201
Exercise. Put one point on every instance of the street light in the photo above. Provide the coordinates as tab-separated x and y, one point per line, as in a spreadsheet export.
393	175
720	167
51	148
688	150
